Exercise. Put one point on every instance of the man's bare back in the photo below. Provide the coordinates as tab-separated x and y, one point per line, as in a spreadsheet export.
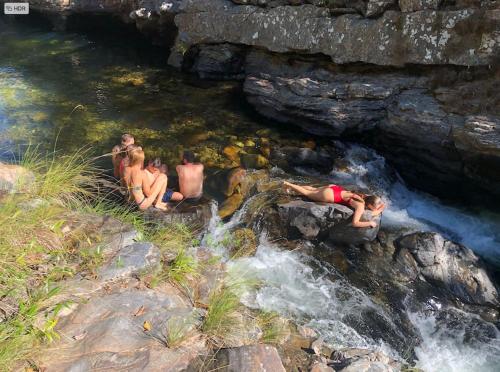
190	180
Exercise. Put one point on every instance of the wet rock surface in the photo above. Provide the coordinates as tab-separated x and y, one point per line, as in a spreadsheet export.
451	266
311	221
353	360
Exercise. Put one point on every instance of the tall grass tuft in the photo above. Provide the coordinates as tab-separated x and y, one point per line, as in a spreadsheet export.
225	318
62	178
35	253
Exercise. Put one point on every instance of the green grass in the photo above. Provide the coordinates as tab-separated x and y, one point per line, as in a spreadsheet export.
183	267
178	329
61	178
35	254
225	318
223	312
274	328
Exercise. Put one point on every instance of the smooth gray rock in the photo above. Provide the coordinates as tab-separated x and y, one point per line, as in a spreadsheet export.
108	333
255	358
14	178
425	37
312	220
451	266
363	360
130	261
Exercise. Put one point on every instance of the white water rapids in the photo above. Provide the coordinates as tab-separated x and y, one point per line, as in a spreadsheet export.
299	287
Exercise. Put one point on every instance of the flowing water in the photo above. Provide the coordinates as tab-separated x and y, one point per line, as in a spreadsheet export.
66	90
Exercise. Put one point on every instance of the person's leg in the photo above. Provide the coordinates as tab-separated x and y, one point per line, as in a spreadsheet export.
158	188
319	194
177	196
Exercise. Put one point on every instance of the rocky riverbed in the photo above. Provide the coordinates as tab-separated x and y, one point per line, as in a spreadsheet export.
419	289
365	289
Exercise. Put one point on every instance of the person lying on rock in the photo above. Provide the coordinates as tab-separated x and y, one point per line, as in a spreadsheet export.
153	170
118	154
143	190
337	194
190	177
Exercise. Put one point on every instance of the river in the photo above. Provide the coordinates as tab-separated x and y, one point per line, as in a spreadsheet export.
71	90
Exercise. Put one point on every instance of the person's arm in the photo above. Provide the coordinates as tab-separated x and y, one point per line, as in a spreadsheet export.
378	211
359	208
137	191
146	185
115	159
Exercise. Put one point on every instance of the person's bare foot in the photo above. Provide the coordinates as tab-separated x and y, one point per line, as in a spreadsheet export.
286	187
161	206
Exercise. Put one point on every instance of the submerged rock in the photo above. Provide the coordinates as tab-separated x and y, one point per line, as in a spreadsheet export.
310	220
451	266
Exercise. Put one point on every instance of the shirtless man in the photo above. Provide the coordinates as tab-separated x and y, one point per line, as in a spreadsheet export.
190	177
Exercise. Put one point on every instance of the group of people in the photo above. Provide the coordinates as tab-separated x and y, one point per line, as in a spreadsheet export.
148	185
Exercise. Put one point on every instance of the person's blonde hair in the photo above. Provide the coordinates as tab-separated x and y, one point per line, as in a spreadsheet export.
127	137
136	156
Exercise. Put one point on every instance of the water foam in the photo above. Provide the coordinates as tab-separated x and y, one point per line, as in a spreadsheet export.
467	345
414	210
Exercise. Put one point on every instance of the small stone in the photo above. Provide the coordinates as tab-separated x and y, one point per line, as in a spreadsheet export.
249	143
232	152
254	161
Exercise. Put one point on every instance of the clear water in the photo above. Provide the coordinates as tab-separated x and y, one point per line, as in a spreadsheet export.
69	90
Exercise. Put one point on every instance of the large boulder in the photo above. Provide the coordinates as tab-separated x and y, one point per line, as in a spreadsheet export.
450	266
310	220
109	333
363	360
14	178
395	38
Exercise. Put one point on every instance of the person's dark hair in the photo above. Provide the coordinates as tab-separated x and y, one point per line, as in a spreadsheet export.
188	156
155	163
372	200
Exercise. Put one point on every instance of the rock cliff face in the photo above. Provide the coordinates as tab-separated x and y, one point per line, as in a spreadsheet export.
414	79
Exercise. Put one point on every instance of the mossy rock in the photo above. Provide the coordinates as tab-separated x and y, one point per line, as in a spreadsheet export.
243	243
232	153
254	161
230	205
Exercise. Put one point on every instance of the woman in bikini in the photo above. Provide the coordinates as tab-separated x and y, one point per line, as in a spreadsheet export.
337	194
144	192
